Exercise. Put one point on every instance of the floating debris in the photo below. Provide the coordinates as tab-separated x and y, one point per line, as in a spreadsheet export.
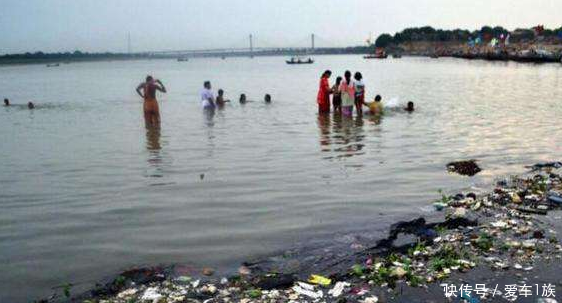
467	168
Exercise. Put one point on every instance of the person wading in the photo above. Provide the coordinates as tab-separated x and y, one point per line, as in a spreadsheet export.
147	90
324	92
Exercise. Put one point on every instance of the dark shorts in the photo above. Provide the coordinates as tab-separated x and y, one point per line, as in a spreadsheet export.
336	101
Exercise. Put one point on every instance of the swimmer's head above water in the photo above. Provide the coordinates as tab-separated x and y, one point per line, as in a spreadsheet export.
267	98
243	98
6	102
410	106
220	92
207	84
30	105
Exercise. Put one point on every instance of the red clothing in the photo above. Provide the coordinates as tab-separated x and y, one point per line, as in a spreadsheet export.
323	98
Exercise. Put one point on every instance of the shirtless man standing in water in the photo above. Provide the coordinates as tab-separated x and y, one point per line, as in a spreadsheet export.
149	88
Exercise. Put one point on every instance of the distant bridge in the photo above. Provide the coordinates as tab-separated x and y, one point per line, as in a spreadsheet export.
250	50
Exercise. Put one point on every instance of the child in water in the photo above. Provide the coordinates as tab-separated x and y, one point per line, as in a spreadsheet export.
336	97
220	99
376	108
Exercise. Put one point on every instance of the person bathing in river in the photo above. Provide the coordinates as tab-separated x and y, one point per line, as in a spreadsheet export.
375	107
324	92
410	107
267	98
207	96
147	91
30	105
359	92
336	96
347	91
243	99
6	102
221	102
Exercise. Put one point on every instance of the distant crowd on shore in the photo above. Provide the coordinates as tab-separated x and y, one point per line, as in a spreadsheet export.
348	93
7	103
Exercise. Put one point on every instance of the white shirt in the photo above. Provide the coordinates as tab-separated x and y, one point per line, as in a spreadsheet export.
207	94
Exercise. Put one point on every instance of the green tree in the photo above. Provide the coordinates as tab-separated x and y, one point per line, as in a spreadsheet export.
383	40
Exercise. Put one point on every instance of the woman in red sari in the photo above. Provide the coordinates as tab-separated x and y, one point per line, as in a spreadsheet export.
324	92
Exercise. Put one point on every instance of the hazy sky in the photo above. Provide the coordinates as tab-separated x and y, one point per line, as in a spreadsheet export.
103	25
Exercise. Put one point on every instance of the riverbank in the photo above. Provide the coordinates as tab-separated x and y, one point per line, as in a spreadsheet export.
503	237
518	52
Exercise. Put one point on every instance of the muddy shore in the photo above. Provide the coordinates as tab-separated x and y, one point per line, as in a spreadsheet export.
506	236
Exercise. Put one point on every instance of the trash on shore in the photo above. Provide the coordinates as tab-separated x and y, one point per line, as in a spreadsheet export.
499	230
467	167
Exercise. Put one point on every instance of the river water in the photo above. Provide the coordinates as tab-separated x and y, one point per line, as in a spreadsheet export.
87	191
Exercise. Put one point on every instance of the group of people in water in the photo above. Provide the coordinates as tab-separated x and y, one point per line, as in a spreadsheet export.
348	93
147	91
210	102
30	104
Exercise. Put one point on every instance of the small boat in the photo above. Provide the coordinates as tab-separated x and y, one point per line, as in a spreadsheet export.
183	59
380	53
299	61
53	65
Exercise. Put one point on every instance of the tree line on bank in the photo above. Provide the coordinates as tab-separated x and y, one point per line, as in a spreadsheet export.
429	34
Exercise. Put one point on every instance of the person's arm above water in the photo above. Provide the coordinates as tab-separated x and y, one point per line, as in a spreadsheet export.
160	86
139	90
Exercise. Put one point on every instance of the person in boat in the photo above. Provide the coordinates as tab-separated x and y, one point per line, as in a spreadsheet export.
6	102
359	92
207	96
147	91
336	96
267	98
375	107
30	105
221	102
409	107
324	91
347	90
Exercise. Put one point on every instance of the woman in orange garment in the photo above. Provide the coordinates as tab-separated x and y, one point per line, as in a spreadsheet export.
150	106
324	92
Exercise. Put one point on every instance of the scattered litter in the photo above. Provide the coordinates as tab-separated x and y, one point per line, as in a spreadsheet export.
338	289
307	290
151	294
320	280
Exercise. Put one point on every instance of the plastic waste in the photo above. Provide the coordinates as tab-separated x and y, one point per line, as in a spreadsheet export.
151	294
338	289
320	280
307	290
555	197
372	299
